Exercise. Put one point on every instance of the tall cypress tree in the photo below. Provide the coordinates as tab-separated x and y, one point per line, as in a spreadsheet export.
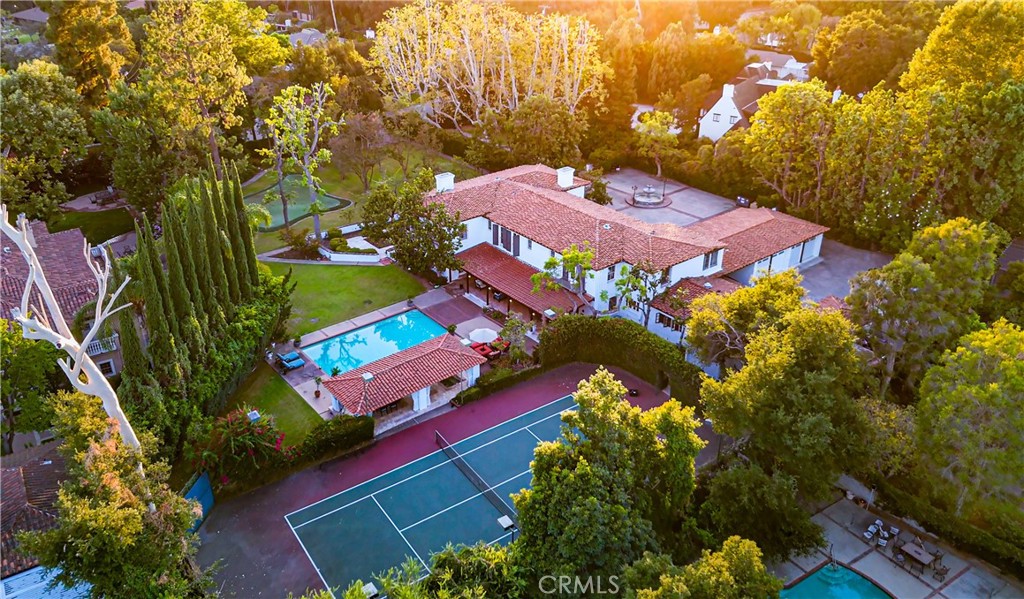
161	342
180	296
230	273
159	278
185	245
213	250
135	364
244	230
238	262
204	274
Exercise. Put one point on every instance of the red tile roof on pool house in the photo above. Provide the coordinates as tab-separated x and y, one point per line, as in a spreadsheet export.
402	374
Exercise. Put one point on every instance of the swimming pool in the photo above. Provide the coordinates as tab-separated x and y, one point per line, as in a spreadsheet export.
838	582
374	341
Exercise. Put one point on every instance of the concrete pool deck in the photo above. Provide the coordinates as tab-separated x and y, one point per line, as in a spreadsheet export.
302	380
844	521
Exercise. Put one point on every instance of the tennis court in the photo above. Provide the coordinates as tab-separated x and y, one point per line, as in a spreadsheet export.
417	509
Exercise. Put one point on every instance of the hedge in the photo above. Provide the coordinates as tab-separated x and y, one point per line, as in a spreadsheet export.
333	437
623	343
482	390
958	532
340	245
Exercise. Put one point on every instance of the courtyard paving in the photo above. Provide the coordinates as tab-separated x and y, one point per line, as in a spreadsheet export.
688	204
844	522
839	263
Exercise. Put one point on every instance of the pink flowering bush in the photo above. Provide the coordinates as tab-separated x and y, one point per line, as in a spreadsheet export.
235	448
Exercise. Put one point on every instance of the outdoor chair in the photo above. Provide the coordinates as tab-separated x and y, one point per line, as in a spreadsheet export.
879	524
940	573
894	531
293	364
901	560
938	557
288	357
882	542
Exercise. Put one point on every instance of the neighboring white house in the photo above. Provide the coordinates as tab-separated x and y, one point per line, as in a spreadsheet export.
738	99
519	218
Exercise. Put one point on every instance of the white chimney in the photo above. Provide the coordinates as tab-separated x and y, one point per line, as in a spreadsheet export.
727	90
565	176
444	182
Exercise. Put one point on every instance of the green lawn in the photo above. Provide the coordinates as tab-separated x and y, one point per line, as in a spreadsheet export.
96	226
350	187
326	294
268	393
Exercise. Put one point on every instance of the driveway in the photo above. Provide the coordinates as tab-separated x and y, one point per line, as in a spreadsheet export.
839	263
687	204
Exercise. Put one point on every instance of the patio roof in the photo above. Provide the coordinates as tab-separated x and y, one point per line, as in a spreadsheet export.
513	278
675	301
402	374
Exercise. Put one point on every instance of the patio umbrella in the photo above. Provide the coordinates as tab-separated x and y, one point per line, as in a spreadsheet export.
483	335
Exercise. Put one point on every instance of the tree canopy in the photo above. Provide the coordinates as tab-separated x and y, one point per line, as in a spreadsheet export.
465	58
970	416
48	134
28	367
92	45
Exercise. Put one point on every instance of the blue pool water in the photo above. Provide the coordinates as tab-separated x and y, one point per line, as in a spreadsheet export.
373	342
835	583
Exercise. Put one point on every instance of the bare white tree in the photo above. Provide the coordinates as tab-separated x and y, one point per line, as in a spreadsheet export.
50	325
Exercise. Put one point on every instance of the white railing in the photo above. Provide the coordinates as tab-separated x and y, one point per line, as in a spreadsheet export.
102	346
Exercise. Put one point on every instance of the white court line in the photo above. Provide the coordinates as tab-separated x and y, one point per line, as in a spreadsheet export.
421	472
310	558
366	482
539	440
414	552
508	480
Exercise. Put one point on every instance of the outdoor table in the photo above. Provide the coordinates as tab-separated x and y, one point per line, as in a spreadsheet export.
917	552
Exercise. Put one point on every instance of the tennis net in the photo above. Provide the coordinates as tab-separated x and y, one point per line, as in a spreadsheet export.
475	478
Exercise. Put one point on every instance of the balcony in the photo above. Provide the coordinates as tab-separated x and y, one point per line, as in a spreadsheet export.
102	346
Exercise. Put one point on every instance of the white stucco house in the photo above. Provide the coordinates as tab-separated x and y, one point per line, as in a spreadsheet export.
737	102
516	219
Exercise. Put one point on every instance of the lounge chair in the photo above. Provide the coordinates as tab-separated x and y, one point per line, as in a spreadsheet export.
288	357
292	364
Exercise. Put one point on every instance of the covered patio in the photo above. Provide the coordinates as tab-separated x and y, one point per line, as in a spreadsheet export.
405	384
493	279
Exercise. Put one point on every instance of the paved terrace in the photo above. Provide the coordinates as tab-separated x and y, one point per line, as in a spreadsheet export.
844	523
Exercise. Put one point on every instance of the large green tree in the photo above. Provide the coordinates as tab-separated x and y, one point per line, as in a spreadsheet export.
540	130
793	405
46	135
733	572
617	484
721	326
124	534
869	46
301	123
765	508
913	308
975	42
249	33
92	45
970	415
193	73
27	381
656	137
363	144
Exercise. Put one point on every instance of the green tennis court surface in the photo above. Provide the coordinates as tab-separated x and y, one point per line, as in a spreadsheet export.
298	203
417	509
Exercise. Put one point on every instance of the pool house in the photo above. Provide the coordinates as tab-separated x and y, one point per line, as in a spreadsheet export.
407	382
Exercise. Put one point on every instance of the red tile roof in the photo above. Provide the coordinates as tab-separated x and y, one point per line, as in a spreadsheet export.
402	374
752	234
540	177
28	502
688	290
557	219
514	278
832	302
64	263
